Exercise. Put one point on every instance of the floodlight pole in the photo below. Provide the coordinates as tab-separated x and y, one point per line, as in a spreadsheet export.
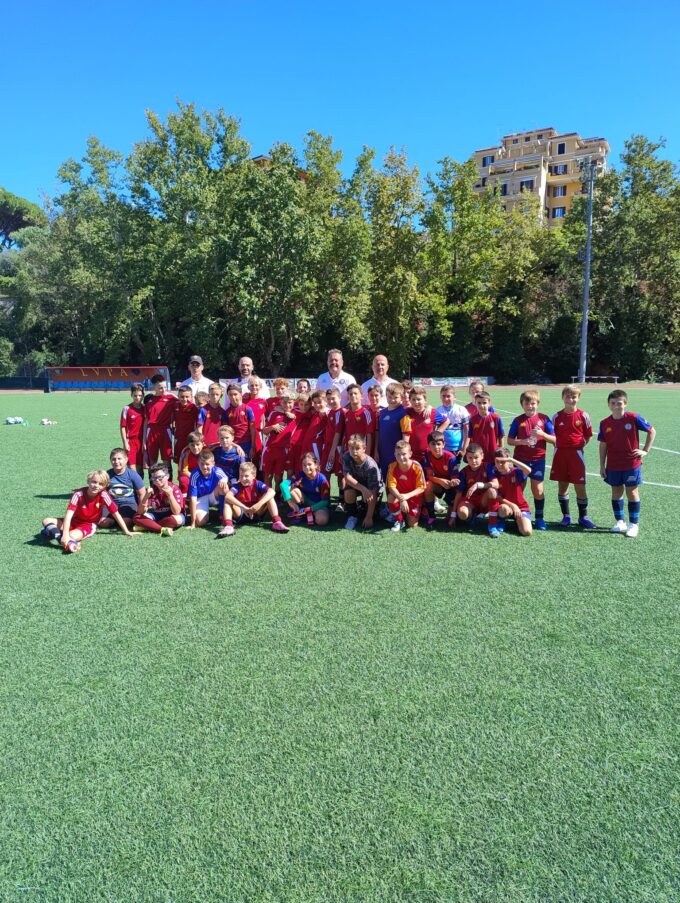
586	276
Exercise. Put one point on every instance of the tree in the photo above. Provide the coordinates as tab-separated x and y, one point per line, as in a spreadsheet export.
16	213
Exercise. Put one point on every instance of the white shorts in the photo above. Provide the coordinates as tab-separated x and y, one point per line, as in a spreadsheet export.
205	502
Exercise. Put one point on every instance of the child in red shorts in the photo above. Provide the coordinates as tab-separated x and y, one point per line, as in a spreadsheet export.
132	428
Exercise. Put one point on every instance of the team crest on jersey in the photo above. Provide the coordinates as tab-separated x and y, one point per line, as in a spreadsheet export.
628	426
608	430
576	423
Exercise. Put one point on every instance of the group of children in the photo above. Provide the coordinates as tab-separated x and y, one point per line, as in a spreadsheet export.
422	460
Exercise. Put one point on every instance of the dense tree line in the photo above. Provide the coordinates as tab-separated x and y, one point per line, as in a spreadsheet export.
191	244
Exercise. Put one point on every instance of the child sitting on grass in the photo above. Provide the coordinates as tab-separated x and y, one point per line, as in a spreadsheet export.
160	510
84	513
246	500
441	473
207	487
126	488
476	489
308	492
362	478
510	475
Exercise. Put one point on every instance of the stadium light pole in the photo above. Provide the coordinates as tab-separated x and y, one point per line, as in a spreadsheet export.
591	164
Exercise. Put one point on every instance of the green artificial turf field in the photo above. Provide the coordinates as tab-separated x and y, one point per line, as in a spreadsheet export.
328	716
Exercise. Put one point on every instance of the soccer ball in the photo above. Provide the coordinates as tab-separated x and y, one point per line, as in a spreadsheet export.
73	547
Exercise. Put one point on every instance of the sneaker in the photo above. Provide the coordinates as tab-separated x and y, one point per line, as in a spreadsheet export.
227	530
541	524
586	523
279	527
396	527
493	532
167	531
633	531
292	515
619	527
339	508
565	522
440	507
137	529
500	527
352	521
429	524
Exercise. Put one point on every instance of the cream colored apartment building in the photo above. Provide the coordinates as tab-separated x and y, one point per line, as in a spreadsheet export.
542	161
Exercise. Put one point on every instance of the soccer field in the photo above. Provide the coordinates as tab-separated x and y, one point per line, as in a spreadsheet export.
335	716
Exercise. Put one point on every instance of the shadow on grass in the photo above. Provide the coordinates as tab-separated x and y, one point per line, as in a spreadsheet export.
61	495
41	543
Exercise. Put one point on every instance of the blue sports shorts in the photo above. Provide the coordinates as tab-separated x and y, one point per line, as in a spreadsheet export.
624	477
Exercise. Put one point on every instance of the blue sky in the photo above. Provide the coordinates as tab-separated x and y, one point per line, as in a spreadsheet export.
435	78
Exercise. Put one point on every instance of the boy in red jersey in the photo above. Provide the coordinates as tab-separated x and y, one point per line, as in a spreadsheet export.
312	440
375	407
405	487
88	506
486	427
418	422
258	406
160	509
476	489
441	473
573	431
159	415
247	500
241	419
212	416
277	431
303	416
281	387
188	461
509	477
358	419
132	428
186	418
331	462
475	387
621	459
529	433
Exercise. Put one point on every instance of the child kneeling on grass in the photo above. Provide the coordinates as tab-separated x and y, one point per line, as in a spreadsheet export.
160	509
308	493
405	487
84	512
247	499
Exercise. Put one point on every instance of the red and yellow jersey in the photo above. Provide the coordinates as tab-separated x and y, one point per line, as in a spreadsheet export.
405	480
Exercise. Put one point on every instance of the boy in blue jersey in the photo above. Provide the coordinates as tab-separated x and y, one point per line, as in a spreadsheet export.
308	492
247	499
207	487
453	420
621	459
228	455
390	427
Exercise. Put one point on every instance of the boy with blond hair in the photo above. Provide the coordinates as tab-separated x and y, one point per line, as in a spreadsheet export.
573	431
529	434
211	416
405	487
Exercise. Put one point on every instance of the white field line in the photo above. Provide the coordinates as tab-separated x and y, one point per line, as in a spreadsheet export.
671	451
645	482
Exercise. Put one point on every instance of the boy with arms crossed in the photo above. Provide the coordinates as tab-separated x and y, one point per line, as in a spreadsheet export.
529	433
212	415
419	422
573	431
621	459
228	455
126	488
241	418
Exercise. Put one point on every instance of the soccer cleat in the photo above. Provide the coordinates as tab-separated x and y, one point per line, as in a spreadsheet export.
633	531
339	508
227	530
565	522
586	523
541	524
279	527
619	527
500	527
439	507
493	532
167	531
396	527
352	521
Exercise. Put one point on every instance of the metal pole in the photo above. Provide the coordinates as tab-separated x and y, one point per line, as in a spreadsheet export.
586	276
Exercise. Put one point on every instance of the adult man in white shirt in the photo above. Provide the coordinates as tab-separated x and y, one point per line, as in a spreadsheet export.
246	369
197	382
335	378
380	379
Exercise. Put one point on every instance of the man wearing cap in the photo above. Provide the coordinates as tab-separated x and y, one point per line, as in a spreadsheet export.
197	382
380	379
335	378
246	369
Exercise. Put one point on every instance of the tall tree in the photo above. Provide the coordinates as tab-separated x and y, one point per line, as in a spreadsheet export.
16	213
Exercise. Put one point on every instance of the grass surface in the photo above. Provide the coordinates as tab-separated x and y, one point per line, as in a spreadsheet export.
328	716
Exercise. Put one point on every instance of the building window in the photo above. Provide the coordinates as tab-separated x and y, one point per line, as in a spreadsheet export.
558	212
515	140
487	161
560	169
528	138
504	189
526	185
562	147
483	181
560	191
539	136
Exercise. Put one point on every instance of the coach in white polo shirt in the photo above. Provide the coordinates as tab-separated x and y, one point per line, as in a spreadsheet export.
246	368
335	378
380	379
197	382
